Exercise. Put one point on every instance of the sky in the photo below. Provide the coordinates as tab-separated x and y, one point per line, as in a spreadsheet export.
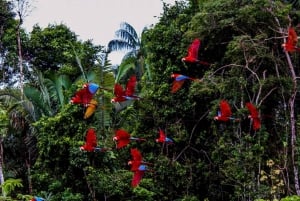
95	19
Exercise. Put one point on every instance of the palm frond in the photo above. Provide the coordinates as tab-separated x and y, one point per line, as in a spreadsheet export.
122	70
36	99
130	54
56	84
129	29
127	37
295	3
119	45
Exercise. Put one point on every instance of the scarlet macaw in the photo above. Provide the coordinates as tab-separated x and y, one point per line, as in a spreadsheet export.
292	40
138	166
193	50
254	116
179	79
35	198
224	114
123	138
85	95
91	142
163	138
127	93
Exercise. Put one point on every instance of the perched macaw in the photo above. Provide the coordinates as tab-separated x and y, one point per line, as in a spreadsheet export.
85	95
179	79
138	166
254	116
35	198
91	142
127	93
91	108
123	138
163	138
224	114
193	51
292	40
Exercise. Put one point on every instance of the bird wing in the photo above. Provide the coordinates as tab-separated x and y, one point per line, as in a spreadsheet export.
256	124
122	134
136	154
181	77
130	87
254	115
137	177
90	140
193	51
136	159
176	85
123	138
194	48
162	136
83	96
292	40
118	90
225	110
252	110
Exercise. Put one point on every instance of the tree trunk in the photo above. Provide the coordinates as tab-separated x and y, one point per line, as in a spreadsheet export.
20	58
294	153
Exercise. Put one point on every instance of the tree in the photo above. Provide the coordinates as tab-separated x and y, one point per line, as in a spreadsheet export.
52	48
128	40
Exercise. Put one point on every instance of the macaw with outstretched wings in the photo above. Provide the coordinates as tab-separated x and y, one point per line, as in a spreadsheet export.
254	116
193	51
224	114
122	138
163	138
127	93
292	40
85	95
179	80
91	142
138	166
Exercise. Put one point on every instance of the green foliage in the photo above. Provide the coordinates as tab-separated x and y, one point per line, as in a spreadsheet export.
210	160
291	198
52	48
11	185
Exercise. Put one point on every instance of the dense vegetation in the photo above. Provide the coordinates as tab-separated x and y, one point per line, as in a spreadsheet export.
41	132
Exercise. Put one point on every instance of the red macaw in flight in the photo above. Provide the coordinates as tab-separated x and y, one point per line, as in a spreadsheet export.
138	166
85	95
179	79
254	116
292	40
224	114
122	138
163	138
193	51
91	142
127	93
